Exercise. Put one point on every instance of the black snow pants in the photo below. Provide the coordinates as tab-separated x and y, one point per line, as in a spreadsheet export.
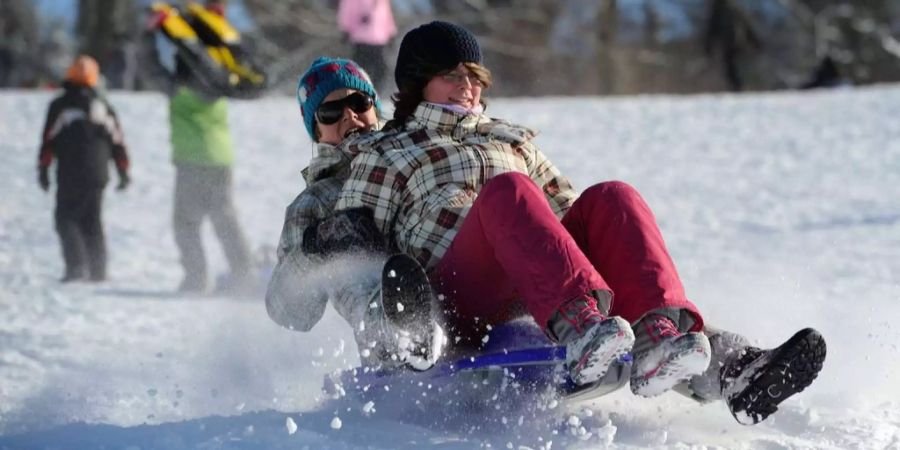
81	232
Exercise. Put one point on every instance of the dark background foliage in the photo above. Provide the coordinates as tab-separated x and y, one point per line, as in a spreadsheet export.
534	47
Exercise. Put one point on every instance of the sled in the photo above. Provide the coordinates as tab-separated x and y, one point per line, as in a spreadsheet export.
516	360
211	48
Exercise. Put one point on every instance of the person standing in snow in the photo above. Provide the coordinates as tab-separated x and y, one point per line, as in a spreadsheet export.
83	134
500	230
827	75
337	100
369	25
203	155
731	36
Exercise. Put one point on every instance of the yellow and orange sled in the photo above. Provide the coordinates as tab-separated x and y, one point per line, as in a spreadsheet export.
211	48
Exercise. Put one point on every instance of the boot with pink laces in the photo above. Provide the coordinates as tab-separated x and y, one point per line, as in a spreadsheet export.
664	356
593	341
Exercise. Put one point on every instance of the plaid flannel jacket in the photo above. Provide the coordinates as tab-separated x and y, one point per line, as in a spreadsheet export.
302	284
421	180
324	177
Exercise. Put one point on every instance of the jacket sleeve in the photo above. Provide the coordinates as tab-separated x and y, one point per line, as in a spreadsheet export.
372	184
556	187
45	152
114	128
294	299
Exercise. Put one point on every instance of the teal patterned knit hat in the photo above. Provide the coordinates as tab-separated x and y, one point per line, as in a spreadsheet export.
324	76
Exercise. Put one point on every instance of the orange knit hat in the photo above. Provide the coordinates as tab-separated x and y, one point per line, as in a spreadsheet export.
84	71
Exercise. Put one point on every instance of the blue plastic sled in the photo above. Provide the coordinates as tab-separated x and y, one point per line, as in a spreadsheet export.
517	359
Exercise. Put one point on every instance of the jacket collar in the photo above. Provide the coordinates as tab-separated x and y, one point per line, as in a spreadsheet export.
329	161
432	116
80	89
334	160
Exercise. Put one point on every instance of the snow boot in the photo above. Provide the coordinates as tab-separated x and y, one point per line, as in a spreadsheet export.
724	346
241	285
665	357
593	341
409	305
756	381
72	276
192	284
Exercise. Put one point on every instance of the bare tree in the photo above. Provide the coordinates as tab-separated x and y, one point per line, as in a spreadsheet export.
568	47
18	39
107	30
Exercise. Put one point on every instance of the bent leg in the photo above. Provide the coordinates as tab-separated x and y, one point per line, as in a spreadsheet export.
187	218
617	230
94	238
224	219
511	245
70	238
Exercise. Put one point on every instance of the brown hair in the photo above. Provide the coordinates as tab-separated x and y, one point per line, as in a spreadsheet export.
409	95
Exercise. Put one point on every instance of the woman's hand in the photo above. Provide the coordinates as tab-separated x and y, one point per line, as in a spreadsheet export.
345	231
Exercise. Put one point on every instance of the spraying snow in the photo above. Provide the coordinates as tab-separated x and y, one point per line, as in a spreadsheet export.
780	211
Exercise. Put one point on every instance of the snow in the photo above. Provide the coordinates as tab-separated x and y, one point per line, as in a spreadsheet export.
781	211
290	425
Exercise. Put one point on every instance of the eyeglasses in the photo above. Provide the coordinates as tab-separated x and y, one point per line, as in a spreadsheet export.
459	77
330	113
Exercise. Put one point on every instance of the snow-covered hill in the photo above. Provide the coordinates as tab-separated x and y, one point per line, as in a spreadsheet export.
781	211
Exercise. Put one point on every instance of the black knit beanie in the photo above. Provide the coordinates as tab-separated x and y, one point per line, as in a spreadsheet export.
436	45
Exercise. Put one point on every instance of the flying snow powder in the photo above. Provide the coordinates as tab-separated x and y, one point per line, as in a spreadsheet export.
291	425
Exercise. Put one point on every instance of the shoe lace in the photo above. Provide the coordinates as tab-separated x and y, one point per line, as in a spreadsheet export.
659	327
580	313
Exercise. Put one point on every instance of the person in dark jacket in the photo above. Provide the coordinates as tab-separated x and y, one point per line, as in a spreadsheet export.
83	134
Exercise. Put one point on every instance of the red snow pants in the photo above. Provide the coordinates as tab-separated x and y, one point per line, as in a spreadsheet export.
512	252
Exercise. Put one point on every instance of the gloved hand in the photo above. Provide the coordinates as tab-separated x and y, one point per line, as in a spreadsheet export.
124	181
44	178
344	231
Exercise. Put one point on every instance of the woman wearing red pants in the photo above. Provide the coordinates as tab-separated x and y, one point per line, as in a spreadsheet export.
499	228
480	207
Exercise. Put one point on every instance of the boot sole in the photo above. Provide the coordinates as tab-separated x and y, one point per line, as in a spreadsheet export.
788	369
407	300
405	292
680	366
614	343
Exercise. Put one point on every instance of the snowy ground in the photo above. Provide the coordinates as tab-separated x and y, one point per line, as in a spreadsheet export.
781	210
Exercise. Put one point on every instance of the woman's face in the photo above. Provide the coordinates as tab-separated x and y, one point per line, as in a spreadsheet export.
460	87
351	119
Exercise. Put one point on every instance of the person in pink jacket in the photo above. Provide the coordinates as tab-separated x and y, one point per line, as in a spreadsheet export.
369	26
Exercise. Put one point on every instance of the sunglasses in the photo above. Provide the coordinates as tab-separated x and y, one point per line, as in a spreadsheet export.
330	113
458	78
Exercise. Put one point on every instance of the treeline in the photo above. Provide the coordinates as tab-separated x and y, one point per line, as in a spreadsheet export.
534	47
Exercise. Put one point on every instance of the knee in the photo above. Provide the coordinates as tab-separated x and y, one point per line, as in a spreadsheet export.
187	217
513	183
616	191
